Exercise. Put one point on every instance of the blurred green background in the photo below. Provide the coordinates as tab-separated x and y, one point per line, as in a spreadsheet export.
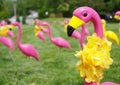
56	8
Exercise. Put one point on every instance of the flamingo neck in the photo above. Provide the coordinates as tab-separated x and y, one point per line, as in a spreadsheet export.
19	34
50	32
82	40
97	24
0	39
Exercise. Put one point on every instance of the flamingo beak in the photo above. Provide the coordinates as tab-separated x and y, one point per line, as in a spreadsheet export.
73	24
11	27
116	17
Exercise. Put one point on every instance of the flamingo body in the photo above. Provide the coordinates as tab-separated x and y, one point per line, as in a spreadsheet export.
76	35
108	83
10	33
41	36
26	49
45	30
7	42
104	83
58	41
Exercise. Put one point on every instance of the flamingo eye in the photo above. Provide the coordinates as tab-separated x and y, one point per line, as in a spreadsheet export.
85	14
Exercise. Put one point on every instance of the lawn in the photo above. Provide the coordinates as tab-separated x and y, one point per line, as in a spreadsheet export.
56	66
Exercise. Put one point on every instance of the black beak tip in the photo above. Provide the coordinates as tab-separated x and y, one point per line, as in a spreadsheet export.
70	30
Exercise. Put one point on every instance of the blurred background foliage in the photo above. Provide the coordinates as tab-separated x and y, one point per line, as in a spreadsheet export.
56	8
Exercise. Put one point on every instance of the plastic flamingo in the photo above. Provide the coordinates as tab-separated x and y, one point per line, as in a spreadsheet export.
27	49
117	17
7	42
6	29
58	41
109	34
39	33
43	29
81	16
40	30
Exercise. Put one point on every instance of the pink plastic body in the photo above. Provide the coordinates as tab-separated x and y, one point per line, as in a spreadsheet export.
58	41
41	36
7	42
3	23
10	33
108	83
76	35
26	49
45	30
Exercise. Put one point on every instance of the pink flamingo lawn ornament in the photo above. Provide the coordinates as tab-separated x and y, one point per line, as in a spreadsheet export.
40	30
58	41
39	33
75	34
26	49
4	40
81	16
7	42
37	21
7	29
117	17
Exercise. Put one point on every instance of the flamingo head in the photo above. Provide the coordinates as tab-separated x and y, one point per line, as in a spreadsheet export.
81	16
117	15
3	23
37	21
15	23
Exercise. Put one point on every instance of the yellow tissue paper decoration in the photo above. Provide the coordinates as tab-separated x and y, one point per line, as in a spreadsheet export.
94	58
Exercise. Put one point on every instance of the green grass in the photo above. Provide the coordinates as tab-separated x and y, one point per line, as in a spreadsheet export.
56	66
